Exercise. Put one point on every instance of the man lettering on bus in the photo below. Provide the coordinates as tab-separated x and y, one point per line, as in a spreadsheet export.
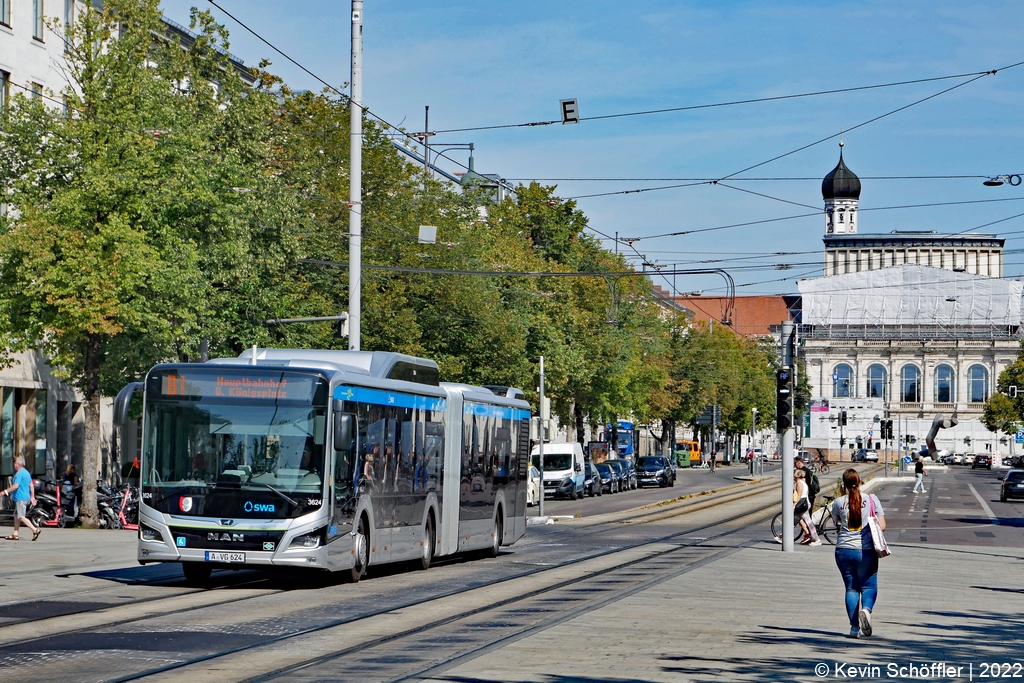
22	493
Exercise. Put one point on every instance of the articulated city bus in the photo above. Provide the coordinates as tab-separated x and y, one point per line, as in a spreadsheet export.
331	460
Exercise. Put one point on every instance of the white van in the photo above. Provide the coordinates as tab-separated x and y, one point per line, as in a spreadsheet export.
564	474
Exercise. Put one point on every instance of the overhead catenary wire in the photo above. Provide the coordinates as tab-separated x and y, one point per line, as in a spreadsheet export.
818	213
977	76
694	107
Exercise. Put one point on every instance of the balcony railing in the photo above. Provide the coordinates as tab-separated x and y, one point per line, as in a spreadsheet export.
908	332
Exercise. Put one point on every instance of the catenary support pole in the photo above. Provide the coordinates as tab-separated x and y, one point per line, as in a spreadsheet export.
540	446
788	442
355	181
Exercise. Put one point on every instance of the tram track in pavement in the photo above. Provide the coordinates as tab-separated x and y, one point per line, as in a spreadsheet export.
15	631
648	516
390	618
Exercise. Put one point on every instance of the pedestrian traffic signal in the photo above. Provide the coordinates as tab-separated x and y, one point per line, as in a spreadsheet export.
783	400
842	418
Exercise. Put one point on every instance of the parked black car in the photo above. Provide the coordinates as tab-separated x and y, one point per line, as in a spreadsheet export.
1012	486
982	460
593	485
629	472
619	479
654	470
610	477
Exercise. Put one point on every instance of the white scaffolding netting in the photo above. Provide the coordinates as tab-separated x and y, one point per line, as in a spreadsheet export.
911	294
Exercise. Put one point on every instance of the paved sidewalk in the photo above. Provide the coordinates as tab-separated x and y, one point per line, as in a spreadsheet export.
762	615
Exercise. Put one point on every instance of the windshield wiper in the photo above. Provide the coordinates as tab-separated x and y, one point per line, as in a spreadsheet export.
268	486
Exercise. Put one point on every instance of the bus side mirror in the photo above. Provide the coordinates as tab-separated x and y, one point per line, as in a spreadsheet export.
123	401
344	424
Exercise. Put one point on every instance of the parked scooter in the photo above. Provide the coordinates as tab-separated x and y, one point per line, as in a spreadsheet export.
48	510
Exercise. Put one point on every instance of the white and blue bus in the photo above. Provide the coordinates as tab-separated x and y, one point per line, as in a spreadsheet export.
330	460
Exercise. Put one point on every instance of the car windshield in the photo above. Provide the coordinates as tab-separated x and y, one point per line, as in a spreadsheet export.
651	462
604	469
554	461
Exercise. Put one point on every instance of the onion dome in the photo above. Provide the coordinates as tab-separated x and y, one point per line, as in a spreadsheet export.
841	182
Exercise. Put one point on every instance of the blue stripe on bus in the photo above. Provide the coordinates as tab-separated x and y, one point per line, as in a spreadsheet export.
495	411
388	398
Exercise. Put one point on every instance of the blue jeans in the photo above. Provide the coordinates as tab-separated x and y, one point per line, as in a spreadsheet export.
860	575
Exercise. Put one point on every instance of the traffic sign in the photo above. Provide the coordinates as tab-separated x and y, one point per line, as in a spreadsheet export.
906	459
1020	436
570	111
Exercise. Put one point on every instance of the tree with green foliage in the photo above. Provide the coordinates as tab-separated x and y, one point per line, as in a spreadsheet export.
135	233
1003	414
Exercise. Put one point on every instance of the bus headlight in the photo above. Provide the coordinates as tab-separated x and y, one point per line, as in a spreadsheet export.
149	534
307	541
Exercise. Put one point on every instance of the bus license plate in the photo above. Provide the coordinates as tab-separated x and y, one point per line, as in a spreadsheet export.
224	557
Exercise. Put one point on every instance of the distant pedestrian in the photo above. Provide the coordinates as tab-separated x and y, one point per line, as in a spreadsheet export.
22	493
713	462
921	474
855	551
802	509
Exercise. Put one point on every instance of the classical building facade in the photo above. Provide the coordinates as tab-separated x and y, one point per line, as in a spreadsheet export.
904	326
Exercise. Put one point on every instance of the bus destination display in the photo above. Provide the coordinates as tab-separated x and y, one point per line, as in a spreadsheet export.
282	387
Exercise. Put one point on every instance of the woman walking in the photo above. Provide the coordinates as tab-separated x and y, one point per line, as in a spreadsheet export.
855	551
802	508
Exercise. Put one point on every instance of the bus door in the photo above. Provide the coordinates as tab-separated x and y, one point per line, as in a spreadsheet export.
342	497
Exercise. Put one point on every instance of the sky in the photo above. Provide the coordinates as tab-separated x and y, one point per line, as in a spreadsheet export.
483	63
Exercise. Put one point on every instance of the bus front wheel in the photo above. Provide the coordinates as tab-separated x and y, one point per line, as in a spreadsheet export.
196	573
361	546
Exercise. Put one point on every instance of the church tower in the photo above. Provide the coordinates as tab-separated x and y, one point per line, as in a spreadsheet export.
840	189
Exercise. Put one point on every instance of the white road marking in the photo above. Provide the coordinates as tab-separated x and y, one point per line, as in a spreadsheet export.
984	505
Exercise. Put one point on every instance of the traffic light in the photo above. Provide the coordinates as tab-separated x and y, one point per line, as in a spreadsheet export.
783	400
842	418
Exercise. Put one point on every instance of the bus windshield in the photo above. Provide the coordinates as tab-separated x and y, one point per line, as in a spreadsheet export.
223	449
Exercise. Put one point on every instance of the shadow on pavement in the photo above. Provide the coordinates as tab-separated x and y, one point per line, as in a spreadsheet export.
961	638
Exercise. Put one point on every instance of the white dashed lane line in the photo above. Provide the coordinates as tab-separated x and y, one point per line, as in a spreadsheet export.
984	505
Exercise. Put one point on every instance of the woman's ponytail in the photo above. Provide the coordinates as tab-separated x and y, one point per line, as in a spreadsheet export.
851	482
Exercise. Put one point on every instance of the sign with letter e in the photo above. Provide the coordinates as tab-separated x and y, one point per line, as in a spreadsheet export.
570	111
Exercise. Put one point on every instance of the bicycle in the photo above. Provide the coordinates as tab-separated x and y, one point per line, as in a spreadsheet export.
821	517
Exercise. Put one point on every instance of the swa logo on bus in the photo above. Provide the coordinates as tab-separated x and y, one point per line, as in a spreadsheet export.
257	507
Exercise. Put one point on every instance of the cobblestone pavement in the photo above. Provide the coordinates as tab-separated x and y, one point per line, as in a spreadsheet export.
761	615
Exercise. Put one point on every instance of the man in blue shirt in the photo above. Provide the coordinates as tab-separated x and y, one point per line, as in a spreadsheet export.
22	493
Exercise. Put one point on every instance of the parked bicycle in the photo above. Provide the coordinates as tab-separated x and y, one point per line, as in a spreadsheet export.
822	522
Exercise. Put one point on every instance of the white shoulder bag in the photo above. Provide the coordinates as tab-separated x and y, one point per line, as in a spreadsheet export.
881	547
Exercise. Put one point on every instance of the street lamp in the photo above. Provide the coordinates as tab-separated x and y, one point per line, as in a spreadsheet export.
995	181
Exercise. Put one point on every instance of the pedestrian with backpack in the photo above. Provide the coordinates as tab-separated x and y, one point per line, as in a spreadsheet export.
810	478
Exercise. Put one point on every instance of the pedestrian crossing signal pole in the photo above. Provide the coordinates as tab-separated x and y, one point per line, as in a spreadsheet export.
784	426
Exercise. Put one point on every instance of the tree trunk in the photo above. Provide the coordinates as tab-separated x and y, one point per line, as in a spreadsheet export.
577	413
90	514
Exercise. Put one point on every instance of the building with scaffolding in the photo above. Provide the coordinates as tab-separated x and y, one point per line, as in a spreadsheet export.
904	326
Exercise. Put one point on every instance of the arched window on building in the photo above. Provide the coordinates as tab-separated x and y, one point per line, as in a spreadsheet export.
842	381
977	384
910	384
878	382
945	386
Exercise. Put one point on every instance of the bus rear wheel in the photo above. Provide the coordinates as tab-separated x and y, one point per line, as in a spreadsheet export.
496	543
361	546
429	539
